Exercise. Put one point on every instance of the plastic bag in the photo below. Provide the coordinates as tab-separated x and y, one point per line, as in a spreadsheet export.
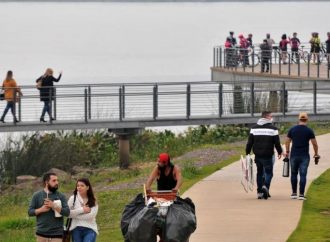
129	212
180	222
143	226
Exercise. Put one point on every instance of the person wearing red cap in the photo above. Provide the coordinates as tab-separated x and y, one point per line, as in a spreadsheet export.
168	175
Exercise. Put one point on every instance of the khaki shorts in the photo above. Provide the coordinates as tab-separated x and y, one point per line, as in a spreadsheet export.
43	239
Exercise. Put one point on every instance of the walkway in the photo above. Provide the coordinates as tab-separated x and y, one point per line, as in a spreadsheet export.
225	213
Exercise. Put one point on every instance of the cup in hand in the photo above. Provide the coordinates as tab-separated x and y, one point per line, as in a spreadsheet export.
57	204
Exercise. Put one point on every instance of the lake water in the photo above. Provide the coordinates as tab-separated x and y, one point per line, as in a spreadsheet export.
138	42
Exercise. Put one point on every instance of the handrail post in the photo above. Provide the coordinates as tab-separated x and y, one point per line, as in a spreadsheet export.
123	101
50	103
283	98
220	57
220	99
289	67
214	56
315	97
308	64
318	66
120	104
155	102
14	105
298	59
328	67
89	102
270	62
188	94
279	64
252	99
86	104
253	55
54	97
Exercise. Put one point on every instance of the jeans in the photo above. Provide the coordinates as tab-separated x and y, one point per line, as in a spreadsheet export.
10	105
45	109
83	234
264	172
299	164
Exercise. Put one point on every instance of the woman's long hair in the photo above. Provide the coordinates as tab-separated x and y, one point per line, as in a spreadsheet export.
90	194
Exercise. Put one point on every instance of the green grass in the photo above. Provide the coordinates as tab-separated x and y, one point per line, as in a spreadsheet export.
15	226
314	224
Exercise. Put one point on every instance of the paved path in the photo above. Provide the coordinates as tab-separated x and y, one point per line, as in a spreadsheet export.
225	213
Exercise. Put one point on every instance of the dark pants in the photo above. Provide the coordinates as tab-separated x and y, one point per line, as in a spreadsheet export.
46	108
264	64
294	55
299	164
10	105
264	172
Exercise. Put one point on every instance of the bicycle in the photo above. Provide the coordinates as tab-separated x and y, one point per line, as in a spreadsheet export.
252	59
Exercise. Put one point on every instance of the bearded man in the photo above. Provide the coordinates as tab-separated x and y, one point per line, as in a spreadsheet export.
49	206
168	175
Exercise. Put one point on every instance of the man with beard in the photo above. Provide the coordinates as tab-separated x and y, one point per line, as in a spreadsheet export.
168	175
49	206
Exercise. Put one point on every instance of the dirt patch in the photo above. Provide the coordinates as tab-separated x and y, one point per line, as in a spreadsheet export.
206	156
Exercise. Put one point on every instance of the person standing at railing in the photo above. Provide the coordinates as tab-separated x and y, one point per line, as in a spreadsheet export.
10	89
327	44
270	41
284	48
232	39
243	44
294	42
315	42
249	40
229	52
265	56
45	84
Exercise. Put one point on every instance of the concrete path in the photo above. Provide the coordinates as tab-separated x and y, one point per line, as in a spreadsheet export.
226	213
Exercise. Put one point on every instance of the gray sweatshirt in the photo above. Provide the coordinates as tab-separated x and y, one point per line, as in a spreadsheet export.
47	224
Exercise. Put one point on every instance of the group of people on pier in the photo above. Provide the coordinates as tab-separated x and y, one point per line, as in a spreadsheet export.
239	50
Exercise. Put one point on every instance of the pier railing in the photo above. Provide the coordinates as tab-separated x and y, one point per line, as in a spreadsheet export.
296	64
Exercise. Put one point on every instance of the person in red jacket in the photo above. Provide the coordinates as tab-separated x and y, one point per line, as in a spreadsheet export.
284	48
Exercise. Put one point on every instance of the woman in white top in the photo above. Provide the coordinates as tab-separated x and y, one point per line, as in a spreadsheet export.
83	211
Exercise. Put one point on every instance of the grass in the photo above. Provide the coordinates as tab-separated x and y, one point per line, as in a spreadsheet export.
16	226
314	223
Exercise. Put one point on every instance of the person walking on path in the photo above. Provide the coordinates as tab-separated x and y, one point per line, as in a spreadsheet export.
49	206
83	211
262	140
168	175
45	84
300	135
10	89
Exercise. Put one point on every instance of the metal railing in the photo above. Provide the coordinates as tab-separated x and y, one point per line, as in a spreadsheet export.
300	64
154	102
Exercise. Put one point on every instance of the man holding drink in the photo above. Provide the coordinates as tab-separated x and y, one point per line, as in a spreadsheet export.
49	206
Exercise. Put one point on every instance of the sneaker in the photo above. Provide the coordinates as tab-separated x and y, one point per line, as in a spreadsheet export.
264	190
260	195
294	196
302	197
269	196
2	120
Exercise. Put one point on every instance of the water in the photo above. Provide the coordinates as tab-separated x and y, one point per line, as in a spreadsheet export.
138	42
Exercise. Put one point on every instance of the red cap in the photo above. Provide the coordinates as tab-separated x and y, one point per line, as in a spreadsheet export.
164	158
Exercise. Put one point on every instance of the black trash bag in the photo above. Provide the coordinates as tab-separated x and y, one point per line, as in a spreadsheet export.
180	223
129	212
142	227
187	203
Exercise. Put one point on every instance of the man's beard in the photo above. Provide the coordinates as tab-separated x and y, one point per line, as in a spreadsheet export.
52	189
162	168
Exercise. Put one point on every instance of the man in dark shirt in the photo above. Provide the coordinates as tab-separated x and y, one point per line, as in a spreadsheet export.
263	139
168	175
266	53
294	42
300	135
232	39
49	206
